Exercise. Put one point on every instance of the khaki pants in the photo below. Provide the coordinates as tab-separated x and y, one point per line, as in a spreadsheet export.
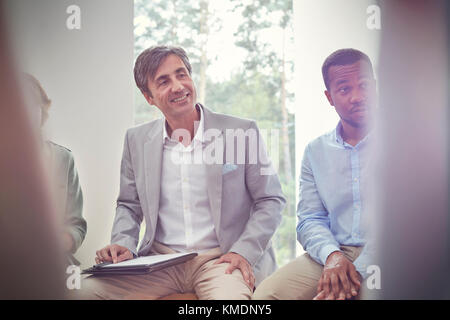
297	280
199	275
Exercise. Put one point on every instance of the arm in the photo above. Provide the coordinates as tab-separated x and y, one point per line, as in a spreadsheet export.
269	201
75	224
313	229
127	222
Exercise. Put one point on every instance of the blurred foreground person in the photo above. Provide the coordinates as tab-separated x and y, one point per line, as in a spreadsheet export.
31	266
61	169
414	121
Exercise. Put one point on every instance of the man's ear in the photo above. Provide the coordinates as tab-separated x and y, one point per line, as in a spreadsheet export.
148	98
328	95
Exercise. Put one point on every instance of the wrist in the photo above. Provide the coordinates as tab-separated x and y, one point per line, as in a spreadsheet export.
334	254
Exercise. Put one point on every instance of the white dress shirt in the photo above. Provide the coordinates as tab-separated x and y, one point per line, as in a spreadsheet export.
184	220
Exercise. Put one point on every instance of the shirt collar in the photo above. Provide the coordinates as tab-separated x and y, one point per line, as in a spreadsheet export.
337	133
340	140
198	134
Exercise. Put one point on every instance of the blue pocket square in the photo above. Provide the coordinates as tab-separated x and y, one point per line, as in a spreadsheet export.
228	167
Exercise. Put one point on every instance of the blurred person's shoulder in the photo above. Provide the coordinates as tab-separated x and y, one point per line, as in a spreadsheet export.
61	156
59	150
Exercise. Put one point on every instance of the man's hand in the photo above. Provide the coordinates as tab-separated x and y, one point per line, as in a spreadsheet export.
339	279
237	261
114	253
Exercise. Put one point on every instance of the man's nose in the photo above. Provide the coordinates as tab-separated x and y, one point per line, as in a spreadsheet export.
357	96
177	86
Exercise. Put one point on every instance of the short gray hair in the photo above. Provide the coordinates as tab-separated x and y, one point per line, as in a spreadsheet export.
148	62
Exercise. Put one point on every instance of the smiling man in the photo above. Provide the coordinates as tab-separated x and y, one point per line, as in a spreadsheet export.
227	212
332	209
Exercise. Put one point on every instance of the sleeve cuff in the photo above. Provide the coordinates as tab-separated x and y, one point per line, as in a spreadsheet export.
127	244
361	267
326	251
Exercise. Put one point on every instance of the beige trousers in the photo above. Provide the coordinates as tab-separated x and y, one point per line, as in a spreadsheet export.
199	275
297	280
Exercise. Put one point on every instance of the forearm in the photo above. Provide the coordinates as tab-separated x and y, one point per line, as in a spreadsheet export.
126	227
317	239
77	230
128	218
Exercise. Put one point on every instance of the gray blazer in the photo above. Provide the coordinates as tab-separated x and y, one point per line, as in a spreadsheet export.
68	194
245	205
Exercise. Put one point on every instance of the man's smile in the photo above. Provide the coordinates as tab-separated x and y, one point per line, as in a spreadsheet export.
182	98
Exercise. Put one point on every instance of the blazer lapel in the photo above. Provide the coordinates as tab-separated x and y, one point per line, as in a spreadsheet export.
214	173
153	148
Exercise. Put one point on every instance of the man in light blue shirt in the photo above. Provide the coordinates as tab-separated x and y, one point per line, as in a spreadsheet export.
334	179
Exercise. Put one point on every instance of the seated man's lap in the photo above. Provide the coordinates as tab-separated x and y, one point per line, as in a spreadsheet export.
297	280
200	275
146	286
212	283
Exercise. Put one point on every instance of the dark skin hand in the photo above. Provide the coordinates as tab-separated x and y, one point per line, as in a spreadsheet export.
339	280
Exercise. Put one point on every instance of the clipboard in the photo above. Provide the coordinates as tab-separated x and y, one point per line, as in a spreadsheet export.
140	265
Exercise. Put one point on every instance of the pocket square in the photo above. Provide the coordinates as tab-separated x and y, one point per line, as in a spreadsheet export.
228	167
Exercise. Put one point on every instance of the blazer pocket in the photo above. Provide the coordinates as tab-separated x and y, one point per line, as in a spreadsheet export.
231	175
227	168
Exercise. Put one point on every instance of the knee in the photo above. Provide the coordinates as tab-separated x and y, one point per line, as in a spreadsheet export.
231	290
223	295
266	291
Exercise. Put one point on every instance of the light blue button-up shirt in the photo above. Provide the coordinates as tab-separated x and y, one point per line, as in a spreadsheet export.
333	191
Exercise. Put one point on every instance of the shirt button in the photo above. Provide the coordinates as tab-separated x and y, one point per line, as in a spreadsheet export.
356	179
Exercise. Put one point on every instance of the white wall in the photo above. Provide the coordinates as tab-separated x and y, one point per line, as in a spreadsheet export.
87	73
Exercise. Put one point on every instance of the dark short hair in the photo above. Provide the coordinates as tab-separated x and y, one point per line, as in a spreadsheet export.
148	62
342	57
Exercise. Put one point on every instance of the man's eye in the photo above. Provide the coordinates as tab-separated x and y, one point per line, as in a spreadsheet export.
163	83
343	90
